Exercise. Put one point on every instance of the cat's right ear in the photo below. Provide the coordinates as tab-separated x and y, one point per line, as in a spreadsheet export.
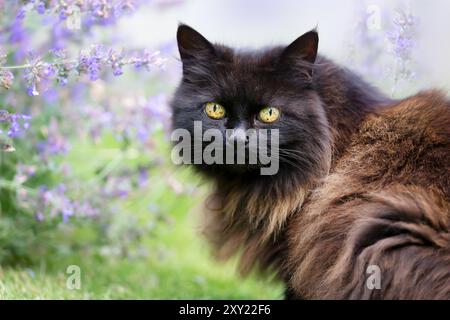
192	45
304	47
302	52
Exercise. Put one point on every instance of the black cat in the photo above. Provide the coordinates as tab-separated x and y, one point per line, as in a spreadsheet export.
363	180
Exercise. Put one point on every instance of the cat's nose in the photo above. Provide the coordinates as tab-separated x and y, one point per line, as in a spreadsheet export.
238	135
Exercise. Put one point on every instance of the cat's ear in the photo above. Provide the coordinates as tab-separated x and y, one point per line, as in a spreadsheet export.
192	45
303	49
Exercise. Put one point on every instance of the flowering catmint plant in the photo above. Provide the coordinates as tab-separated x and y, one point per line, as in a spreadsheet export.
138	120
402	39
38	72
11	126
388	38
60	86
368	34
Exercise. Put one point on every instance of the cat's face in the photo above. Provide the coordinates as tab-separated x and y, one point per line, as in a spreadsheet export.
270	89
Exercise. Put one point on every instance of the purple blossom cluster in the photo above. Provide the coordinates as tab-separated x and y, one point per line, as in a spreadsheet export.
402	40
61	80
68	20
38	73
89	12
54	62
122	184
93	148
54	142
11	126
55	200
137	119
388	37
50	203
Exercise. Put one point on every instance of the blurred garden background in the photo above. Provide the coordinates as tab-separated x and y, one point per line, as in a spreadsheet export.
85	171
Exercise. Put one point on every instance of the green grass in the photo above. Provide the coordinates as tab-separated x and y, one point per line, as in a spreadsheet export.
178	264
186	272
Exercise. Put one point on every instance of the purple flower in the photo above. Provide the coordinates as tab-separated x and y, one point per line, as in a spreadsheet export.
51	96
94	70
56	202
17	32
39	216
6	79
40	8
60	36
47	71
21	14
63	14
16	123
147	59
116	61
38	75
402	39
117	70
67	211
92	62
55	143
32	90
143	177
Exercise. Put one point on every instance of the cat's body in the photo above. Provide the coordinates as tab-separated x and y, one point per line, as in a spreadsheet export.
385	203
363	180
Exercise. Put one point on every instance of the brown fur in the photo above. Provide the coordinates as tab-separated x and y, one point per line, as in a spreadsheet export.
386	202
242	219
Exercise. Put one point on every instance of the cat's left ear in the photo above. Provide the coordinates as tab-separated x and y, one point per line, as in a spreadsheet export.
303	49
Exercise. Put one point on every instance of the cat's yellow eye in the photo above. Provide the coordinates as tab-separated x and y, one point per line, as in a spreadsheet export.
214	110
269	114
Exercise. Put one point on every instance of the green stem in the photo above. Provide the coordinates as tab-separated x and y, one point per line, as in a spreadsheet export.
24	66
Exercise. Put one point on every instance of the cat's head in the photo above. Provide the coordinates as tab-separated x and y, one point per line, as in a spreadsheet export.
226	89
